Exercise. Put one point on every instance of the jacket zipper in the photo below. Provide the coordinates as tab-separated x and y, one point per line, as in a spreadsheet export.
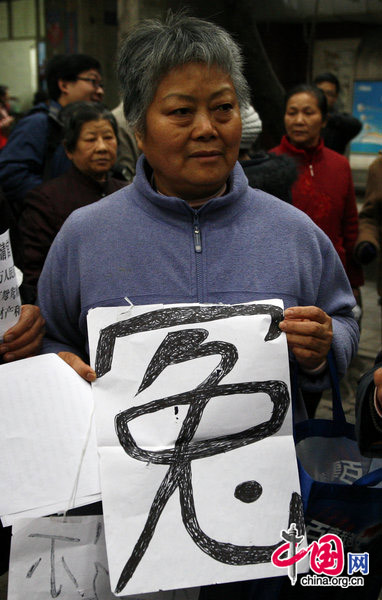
197	236
311	170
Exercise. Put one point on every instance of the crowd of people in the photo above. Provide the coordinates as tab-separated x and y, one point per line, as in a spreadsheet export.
185	212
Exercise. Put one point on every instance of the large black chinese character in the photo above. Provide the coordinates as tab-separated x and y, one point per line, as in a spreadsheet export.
177	347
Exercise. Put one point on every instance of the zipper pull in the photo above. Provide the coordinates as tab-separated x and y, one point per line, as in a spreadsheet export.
197	236
311	170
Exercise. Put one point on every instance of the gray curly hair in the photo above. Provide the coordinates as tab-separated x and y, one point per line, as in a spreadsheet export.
154	47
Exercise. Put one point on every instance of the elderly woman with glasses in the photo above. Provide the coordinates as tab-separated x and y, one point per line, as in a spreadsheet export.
189	228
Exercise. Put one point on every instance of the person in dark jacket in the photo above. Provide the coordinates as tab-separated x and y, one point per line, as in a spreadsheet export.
34	152
341	127
90	141
265	171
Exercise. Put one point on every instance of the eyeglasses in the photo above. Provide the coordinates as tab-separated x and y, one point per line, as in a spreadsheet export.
95	82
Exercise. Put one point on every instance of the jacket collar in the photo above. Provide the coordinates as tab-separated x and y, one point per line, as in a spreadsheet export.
301	152
100	187
232	201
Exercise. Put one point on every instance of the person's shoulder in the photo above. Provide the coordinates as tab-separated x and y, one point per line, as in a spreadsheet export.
118	113
340	116
270	171
34	118
267	204
34	125
106	209
376	165
276	150
116	184
51	187
336	158
285	216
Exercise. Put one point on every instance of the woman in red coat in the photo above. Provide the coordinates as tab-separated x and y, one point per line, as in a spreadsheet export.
324	188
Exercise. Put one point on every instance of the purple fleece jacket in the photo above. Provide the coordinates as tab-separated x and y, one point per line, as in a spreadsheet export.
140	244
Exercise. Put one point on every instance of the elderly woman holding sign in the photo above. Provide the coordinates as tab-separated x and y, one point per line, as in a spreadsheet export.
189	228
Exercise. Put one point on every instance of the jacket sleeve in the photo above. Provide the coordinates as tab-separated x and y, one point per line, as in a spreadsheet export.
21	160
335	297
338	305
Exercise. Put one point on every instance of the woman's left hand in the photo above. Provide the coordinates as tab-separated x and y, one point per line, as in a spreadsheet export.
309	334
25	338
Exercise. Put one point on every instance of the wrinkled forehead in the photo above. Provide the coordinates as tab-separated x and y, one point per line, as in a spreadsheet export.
193	76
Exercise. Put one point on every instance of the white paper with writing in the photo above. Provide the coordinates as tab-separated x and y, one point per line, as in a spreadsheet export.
53	557
195	438
10	303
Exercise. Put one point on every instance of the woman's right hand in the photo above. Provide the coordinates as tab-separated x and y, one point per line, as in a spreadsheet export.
25	338
84	370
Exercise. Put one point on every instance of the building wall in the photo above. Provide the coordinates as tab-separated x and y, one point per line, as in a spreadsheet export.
89	27
20	26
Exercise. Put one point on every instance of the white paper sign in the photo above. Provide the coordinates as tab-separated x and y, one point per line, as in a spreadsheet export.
198	467
66	559
55	558
47	439
10	303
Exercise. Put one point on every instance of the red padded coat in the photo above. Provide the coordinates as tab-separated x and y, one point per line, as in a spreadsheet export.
324	191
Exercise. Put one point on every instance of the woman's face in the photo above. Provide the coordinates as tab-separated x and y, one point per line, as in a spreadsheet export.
193	131
96	149
303	120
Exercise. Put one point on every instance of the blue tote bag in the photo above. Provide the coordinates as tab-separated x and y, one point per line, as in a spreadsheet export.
341	489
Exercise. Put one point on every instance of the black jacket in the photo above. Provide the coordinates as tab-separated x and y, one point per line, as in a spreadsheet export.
339	130
272	174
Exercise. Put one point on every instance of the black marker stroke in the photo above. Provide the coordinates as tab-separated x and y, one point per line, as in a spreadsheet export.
54	592
99	569
177	347
33	568
98	532
168	317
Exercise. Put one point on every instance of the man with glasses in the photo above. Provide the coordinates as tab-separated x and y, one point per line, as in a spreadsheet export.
34	152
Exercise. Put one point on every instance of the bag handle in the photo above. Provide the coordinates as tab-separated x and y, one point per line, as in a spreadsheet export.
372	478
337	408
